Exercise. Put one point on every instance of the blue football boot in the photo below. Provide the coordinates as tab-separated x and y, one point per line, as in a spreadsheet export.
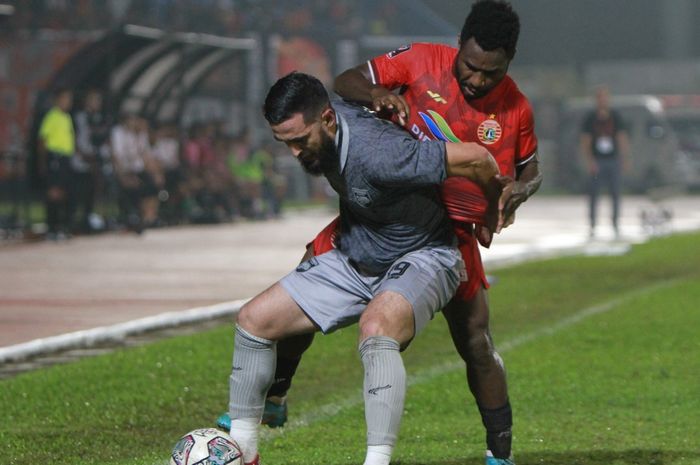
491	460
274	416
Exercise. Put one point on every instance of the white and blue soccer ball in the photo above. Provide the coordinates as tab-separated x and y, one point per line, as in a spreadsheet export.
206	446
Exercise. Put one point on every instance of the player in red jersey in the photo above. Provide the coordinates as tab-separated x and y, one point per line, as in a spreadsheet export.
465	94
454	94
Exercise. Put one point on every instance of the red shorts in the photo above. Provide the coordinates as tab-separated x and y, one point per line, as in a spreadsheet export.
467	243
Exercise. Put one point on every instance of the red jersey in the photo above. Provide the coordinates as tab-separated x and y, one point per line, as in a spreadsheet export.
501	121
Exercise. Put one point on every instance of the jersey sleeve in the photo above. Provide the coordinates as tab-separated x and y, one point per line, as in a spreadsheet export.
407	161
527	140
398	67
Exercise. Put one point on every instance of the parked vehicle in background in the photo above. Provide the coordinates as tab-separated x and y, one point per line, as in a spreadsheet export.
683	114
664	134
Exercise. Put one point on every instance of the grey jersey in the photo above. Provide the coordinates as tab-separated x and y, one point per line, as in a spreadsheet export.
387	183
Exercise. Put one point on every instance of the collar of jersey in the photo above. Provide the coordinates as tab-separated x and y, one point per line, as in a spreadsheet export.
341	139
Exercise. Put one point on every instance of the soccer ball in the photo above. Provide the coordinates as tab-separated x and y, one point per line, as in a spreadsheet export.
207	446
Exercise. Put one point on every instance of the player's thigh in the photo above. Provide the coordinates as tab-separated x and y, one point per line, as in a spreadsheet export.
388	314
329	290
427	279
273	314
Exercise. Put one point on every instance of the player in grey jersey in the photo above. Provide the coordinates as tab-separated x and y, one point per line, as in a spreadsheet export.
395	266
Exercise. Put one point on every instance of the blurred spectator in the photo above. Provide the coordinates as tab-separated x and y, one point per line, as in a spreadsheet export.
386	19
154	174
208	179
247	170
219	179
165	150
605	147
274	184
92	133
134	170
56	149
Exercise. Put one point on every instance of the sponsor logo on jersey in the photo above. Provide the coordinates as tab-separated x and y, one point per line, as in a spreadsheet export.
418	133
398	51
437	97
437	126
489	131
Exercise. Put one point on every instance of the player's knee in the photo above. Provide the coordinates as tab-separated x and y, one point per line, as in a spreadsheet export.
252	321
374	325
245	319
480	352
380	325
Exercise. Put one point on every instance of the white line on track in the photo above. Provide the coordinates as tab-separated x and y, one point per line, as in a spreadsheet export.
117	332
326	411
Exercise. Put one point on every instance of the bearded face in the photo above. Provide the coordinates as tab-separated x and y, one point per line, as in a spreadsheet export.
317	160
312	142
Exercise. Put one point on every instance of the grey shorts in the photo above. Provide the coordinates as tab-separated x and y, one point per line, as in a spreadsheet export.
333	294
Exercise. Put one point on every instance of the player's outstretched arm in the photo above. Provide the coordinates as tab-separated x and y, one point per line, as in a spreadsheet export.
472	161
356	84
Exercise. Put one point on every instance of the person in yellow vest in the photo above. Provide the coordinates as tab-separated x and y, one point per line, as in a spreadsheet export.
56	147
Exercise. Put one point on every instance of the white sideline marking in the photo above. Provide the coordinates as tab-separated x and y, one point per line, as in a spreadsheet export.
328	410
117	332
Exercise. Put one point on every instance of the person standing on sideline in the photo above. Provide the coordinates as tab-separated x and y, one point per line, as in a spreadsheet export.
606	151
92	131
55	150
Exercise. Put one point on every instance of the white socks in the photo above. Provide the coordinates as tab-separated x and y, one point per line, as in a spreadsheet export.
378	455
245	432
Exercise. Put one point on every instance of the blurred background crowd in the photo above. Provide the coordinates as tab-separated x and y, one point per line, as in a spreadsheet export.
151	173
322	18
164	97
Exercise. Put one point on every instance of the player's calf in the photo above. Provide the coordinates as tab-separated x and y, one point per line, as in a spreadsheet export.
498	423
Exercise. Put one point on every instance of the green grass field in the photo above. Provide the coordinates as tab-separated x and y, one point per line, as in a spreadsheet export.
602	353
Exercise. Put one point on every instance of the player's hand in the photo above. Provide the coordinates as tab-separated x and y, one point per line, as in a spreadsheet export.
512	199
384	100
497	192
508	220
483	235
503	201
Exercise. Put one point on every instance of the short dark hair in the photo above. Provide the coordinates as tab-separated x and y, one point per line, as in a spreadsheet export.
295	93
493	24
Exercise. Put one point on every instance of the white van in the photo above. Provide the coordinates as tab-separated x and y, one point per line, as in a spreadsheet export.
664	135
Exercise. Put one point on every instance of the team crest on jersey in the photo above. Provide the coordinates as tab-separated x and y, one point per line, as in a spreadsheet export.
398	51
489	131
361	196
